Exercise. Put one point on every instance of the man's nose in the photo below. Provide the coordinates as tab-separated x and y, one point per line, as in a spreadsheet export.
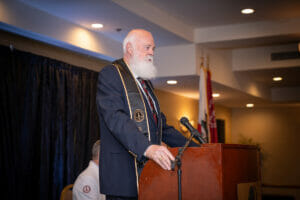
151	52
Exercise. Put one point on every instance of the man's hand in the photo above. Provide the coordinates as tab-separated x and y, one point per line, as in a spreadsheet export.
161	155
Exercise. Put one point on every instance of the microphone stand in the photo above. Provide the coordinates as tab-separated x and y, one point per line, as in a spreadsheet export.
178	162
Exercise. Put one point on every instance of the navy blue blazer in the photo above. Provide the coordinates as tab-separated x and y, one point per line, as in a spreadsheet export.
121	140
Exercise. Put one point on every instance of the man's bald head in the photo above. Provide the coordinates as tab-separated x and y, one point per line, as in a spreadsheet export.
134	36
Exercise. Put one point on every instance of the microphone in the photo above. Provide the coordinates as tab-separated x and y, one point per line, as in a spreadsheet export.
194	131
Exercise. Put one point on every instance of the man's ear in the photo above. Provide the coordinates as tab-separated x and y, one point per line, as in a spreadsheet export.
129	48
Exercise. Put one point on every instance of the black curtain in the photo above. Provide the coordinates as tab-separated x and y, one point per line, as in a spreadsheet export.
48	124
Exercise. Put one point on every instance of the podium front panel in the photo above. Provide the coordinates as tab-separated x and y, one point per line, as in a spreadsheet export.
210	172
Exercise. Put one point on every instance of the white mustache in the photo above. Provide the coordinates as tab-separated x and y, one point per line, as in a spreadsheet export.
149	58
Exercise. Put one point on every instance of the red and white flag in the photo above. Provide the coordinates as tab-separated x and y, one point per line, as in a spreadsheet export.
207	125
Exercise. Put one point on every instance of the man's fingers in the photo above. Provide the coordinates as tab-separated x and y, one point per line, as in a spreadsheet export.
164	162
164	157
161	155
167	162
168	153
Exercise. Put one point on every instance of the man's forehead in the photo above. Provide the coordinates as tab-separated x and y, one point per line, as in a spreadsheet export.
147	40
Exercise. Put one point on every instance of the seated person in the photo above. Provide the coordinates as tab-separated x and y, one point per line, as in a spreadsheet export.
87	185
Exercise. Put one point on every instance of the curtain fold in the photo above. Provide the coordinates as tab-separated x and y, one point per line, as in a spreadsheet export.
48	124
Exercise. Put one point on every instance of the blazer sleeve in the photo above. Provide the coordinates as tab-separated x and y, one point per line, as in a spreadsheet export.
171	136
113	107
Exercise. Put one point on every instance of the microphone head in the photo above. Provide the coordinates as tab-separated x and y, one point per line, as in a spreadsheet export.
184	120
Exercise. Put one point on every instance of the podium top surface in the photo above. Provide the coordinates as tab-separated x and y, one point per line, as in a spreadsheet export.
231	146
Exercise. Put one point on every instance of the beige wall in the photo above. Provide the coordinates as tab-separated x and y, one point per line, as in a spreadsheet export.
39	48
277	131
175	107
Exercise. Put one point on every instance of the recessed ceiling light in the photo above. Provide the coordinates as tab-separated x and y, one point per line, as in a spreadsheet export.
172	82
215	94
97	25
249	105
247	11
277	78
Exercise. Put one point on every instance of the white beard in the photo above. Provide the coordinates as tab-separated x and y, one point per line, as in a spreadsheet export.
144	69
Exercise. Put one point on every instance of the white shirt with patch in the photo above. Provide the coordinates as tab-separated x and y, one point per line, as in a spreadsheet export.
87	184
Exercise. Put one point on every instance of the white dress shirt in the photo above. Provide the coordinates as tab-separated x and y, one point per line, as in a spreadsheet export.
141	88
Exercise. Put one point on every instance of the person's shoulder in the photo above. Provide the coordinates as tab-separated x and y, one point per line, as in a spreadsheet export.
109	75
108	69
86	176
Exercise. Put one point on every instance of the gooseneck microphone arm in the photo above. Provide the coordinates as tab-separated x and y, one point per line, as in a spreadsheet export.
180	153
182	149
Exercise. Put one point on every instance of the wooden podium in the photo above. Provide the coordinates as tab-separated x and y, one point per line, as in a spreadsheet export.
209	172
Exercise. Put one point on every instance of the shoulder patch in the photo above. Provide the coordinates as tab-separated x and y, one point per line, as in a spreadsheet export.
86	189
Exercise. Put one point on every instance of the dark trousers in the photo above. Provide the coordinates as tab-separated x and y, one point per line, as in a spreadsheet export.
110	197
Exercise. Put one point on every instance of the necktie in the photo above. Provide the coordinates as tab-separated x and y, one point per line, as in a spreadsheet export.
144	85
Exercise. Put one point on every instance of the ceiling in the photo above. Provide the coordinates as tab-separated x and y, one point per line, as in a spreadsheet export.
195	13
190	16
204	13
106	12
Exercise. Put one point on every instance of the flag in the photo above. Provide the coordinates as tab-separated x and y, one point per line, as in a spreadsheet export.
207	125
213	135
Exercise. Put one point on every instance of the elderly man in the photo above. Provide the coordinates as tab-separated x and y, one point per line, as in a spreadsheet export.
131	124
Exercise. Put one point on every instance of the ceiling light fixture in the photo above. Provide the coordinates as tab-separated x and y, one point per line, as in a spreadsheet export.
249	105
97	25
171	82
247	11
215	94
277	78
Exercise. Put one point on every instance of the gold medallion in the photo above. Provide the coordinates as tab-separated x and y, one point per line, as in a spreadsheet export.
138	115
